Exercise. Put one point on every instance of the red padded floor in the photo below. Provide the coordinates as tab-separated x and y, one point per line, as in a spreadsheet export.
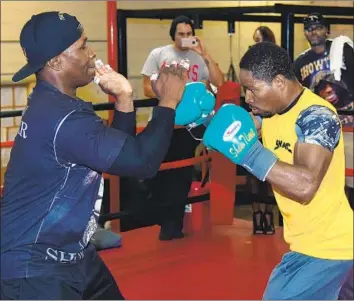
229	263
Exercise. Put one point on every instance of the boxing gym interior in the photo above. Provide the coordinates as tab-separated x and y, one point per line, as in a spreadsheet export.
220	256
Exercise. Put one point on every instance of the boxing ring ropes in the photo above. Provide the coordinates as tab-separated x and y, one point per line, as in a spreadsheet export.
220	191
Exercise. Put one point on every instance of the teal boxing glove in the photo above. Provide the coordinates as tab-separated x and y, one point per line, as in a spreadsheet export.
232	132
196	106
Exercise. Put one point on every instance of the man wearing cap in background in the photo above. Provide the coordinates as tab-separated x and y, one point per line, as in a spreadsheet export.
327	68
53	184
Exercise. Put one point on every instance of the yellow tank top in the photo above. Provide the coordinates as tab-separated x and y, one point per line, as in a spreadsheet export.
324	228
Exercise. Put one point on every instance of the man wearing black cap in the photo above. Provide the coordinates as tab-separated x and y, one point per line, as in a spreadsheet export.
327	68
316	68
53	184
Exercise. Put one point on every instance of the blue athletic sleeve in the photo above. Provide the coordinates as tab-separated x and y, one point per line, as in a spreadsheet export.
319	125
125	122
141	156
82	138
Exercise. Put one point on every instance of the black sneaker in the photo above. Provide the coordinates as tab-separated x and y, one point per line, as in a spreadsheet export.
258	222
268	223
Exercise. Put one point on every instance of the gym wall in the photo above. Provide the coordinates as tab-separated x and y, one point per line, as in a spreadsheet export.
214	34
143	35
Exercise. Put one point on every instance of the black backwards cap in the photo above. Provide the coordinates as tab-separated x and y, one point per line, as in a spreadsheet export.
45	36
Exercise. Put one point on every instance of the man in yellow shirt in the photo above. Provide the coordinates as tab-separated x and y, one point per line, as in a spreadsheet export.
302	157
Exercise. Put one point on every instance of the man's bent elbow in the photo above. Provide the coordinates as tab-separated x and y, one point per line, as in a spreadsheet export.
307	193
305	198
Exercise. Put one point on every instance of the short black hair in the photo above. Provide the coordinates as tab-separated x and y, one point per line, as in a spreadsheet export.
178	20
266	60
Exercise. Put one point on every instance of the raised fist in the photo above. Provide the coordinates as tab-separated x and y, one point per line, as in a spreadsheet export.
111	82
169	84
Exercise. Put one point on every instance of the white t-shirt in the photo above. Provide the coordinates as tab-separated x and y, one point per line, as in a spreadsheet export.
198	70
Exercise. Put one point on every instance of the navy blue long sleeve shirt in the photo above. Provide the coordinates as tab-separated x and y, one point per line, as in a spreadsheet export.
50	203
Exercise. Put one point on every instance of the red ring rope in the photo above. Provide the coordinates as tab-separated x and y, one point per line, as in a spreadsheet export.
184	163
348	129
6	144
349	172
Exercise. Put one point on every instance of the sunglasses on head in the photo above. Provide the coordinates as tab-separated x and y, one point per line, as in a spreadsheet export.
312	19
314	22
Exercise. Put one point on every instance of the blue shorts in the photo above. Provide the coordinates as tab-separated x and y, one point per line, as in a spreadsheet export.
302	277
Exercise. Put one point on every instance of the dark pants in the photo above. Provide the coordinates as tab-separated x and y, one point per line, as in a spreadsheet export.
88	280
172	186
